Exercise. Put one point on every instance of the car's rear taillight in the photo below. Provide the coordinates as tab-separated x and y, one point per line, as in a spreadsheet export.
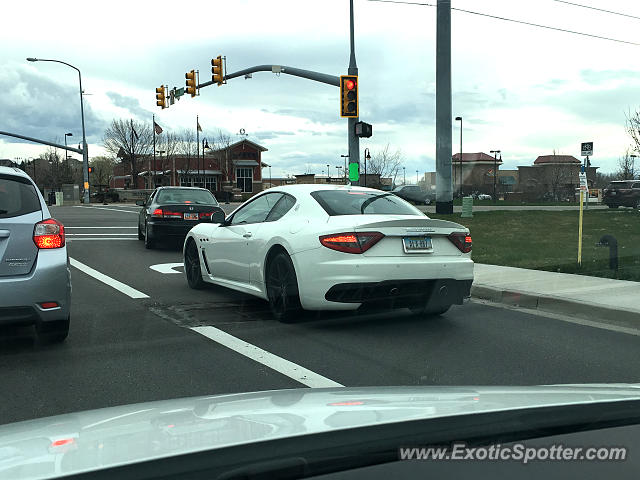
160	213
351	242
462	241
48	234
157	213
206	215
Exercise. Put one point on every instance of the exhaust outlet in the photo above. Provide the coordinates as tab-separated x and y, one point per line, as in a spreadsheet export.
393	291
444	291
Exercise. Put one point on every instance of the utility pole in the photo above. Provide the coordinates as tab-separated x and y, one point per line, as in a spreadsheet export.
444	187
354	141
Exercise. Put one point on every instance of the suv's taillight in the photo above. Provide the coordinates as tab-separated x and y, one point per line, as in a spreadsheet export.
461	240
351	242
48	234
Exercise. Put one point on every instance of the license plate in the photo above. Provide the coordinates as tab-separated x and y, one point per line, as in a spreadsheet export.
191	216
417	244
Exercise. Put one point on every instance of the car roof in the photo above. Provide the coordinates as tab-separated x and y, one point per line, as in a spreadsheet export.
172	187
315	187
13	171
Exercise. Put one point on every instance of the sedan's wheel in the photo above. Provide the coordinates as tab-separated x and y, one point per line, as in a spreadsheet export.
282	288
148	241
52	332
140	235
192	266
638	204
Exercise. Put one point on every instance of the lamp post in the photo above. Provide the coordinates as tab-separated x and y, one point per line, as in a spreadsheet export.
270	182
339	167
345	166
416	177
205	144
328	174
85	153
367	156
460	184
495	171
160	152
404	175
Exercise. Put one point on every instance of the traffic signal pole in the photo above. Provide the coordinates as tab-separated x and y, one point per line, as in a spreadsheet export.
354	141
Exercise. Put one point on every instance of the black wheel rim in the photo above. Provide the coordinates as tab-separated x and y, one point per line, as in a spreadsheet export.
279	285
192	264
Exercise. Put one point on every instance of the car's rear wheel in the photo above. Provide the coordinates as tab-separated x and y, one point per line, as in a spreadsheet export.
192	266
140	235
52	332
149	242
282	288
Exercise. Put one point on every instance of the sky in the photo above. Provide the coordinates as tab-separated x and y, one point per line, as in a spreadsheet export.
522	90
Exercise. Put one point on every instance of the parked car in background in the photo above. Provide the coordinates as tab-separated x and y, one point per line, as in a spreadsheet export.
622	193
35	282
173	211
482	196
413	193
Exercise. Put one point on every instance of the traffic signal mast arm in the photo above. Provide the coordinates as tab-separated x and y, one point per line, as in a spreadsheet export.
297	72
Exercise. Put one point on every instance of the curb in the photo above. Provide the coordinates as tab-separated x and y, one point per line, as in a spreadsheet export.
563	306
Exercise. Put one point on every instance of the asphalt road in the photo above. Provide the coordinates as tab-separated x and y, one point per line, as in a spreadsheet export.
150	337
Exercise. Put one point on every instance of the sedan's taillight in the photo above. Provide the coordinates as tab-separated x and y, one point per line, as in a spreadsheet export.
351	242
157	213
206	215
462	241
48	234
160	213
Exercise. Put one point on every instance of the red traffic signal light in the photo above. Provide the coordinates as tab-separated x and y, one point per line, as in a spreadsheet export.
90	169
191	82
349	96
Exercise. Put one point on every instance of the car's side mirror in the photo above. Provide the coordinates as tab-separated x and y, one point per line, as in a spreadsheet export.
140	203
218	217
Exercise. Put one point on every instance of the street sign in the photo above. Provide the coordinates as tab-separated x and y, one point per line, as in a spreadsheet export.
179	92
467	207
587	149
583	182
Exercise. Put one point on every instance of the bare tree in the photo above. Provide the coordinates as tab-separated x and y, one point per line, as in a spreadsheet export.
102	170
186	146
559	179
632	127
131	141
222	142
385	163
626	167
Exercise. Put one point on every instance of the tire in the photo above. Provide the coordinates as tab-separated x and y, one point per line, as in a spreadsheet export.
149	242
638	204
140	235
52	332
282	289
192	268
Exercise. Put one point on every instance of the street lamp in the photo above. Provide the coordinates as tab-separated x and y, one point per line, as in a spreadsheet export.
460	184
367	156
66	154
495	171
416	177
85	153
404	175
339	167
328	174
345	166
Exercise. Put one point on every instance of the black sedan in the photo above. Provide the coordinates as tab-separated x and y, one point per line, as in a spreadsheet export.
171	212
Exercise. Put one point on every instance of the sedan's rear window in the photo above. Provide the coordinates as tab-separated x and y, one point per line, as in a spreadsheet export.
357	202
17	197
183	195
621	185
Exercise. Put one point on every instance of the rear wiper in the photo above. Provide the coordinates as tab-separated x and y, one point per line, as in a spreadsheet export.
368	201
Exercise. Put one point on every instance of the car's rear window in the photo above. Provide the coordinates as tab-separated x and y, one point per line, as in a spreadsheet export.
356	202
184	195
619	185
17	197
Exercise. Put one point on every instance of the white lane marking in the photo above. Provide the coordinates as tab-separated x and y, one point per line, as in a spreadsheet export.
103	208
121	238
100	234
166	267
279	364
94	228
563	318
112	282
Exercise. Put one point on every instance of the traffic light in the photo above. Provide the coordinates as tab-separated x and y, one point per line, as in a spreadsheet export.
161	99
217	75
349	96
90	169
191	82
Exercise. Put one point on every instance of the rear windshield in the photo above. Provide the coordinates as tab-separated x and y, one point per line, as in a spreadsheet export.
354	202
619	185
186	196
17	197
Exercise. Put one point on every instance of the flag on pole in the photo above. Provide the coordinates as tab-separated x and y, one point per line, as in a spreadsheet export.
157	128
199	127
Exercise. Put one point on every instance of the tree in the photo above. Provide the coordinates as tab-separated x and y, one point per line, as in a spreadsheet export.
121	141
626	167
632	127
186	145
559	178
102	170
221	143
168	143
385	163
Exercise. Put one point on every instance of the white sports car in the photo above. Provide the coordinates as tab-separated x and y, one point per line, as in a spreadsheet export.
318	247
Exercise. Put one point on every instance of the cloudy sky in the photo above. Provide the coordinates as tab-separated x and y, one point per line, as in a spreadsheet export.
526	91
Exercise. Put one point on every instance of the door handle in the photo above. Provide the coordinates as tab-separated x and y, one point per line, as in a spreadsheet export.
247	235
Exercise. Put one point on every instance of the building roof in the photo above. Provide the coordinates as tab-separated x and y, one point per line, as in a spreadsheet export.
474	157
258	147
542	159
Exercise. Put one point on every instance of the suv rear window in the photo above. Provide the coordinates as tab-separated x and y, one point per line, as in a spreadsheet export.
354	202
17	197
177	195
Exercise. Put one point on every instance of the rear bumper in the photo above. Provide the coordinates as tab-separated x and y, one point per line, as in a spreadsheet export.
171	228
345	282
49	280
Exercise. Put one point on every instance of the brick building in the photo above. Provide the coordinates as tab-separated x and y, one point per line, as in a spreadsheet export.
554	177
475	172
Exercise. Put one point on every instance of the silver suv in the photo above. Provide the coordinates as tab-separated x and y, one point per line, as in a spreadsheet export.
35	281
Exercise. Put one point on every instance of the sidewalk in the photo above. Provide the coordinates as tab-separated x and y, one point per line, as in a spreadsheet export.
592	298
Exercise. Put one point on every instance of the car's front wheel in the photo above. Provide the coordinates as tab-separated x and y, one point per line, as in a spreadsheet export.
52	332
282	288
192	266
